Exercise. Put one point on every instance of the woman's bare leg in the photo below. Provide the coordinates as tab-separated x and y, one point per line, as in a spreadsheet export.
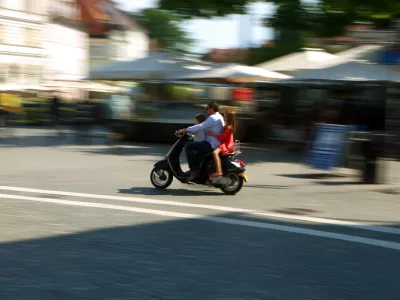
217	161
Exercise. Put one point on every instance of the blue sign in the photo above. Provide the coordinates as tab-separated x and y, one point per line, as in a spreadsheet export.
328	147
389	57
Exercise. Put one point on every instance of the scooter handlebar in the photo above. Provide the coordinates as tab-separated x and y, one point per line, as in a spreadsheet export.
181	135
177	134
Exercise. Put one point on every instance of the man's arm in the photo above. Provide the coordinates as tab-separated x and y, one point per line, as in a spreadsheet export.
200	127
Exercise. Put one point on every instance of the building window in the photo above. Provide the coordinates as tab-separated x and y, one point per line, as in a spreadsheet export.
97	51
14	74
27	36
3	73
33	74
117	51
29	71
2	33
38	74
78	13
114	50
29	5
123	51
31	37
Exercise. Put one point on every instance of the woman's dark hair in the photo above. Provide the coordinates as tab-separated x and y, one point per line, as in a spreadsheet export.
201	118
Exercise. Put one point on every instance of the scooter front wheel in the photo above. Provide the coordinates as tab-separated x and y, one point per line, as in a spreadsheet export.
161	179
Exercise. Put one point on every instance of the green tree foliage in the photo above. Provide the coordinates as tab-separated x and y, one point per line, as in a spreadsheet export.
328	11
165	27
294	20
330	17
205	8
364	9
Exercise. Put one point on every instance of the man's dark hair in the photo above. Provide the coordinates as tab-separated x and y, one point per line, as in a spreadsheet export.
214	105
201	118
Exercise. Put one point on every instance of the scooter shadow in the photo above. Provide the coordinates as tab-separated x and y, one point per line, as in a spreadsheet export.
149	191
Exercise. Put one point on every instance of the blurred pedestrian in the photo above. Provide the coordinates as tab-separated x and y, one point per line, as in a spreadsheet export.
55	103
116	125
84	119
3	116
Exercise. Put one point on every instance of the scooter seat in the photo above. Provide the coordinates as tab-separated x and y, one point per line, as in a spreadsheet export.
221	155
205	155
228	154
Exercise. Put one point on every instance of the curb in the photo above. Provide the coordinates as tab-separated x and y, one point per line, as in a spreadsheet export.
392	189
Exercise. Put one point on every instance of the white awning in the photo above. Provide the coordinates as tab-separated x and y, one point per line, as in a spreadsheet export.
160	66
298	61
362	53
312	59
351	71
233	72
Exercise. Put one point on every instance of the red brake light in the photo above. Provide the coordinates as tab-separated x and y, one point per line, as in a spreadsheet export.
241	162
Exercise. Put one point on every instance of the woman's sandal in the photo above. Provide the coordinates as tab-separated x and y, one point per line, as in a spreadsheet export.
216	175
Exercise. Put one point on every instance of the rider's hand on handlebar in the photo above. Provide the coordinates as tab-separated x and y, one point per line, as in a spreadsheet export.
182	131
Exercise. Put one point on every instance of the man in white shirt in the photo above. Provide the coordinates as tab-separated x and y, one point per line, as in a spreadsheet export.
214	123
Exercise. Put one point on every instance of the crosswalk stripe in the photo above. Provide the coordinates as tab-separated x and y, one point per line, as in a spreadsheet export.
255	224
382	229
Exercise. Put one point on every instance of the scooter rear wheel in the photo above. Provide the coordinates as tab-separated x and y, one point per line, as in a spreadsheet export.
161	179
235	187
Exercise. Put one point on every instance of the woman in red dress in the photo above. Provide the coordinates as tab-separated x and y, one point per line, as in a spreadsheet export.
226	139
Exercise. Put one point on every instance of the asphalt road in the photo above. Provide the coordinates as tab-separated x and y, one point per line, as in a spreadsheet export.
81	221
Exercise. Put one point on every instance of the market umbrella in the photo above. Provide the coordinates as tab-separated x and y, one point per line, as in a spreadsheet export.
159	66
353	71
236	73
308	58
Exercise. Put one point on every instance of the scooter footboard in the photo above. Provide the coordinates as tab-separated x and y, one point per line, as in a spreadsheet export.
172	165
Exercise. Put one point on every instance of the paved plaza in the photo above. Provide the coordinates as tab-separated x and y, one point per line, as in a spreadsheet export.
80	220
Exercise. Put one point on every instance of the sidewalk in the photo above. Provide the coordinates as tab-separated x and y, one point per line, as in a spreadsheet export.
288	170
266	168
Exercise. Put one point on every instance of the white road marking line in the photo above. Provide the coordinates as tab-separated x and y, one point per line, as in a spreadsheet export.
263	225
388	230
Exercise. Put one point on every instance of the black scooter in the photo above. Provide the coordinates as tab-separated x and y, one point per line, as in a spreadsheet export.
233	169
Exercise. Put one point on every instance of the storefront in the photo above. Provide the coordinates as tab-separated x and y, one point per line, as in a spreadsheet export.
289	110
392	121
164	107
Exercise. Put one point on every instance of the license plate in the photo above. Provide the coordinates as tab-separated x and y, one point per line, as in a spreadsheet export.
245	178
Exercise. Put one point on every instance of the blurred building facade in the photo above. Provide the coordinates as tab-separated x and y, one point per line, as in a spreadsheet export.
22	37
238	55
113	34
66	46
357	34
